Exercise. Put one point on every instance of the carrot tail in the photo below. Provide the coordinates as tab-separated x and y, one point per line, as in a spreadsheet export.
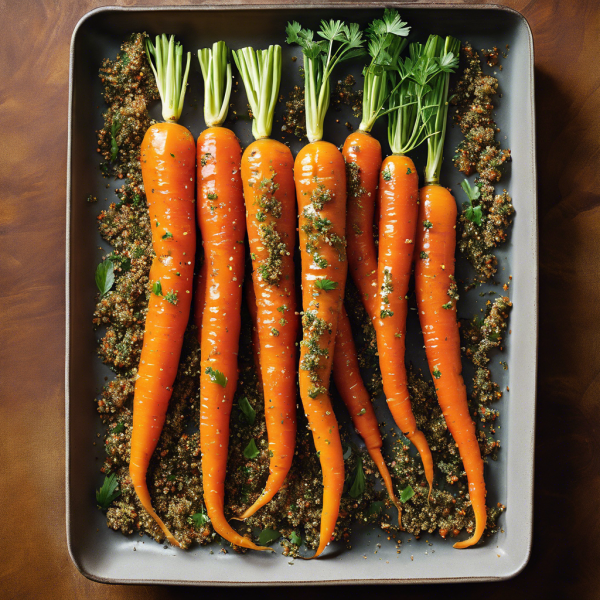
418	439
141	489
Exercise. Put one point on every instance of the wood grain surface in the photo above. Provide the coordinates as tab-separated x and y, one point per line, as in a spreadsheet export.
34	63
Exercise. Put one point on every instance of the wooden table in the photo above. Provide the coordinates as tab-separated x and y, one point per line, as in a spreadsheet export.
34	59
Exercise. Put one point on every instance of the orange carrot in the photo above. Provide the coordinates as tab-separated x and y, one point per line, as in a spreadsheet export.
399	189
222	224
350	386
168	161
435	289
321	193
268	178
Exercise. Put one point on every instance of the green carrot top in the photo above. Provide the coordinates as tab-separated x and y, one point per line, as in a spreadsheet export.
216	72
387	38
170	79
340	42
261	74
435	105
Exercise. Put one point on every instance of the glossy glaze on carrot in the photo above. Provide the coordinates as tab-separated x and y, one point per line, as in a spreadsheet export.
434	277
362	153
168	156
321	194
399	193
268	178
351	388
222	223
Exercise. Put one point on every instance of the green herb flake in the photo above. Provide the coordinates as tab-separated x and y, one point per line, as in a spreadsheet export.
295	539
247	410
427	224
361	412
119	428
387	175
437	373
105	276
326	284
212	196
171	297
108	492
358	486
448	305
408	171
268	536
216	376
167	235
200	519
406	494
251	451
157	288
424	255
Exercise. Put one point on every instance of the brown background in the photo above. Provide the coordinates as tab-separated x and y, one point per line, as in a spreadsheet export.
34	62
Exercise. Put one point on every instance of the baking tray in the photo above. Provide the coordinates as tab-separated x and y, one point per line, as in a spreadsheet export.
104	555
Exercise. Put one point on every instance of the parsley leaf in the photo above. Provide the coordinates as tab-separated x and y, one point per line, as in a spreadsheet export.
251	451
406	494
247	409
326	284
105	276
200	519
167	235
267	536
473	213
358	487
119	428
108	492
157	288
295	539
376	507
216	376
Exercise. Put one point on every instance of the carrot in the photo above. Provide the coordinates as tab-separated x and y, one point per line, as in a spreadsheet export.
351	388
268	178
362	153
398	199
222	224
435	288
168	161
321	194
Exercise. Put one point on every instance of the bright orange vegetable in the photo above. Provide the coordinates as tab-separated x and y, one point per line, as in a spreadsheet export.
268	178
433	278
221	215
350	386
398	193
168	160
362	153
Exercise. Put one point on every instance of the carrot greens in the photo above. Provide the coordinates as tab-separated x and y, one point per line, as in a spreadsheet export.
216	72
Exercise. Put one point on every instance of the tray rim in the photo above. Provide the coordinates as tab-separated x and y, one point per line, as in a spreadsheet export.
337	4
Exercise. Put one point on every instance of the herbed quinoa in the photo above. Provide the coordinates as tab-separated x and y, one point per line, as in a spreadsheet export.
481	153
175	477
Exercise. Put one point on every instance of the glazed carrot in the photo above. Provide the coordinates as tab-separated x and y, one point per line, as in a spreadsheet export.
222	224
321	194
362	153
168	161
398	199
268	178
434	279
351	388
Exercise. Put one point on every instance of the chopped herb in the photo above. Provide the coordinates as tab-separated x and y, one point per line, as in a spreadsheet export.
251	451
274	332
167	235
157	288
247	410
424	255
448	305
200	519
387	175
473	213
386	313
108	492
105	276
437	373
361	412
267	536
358	487
295	539
212	196
427	224
172	155
171	297
326	284
406	494
119	428
408	171
216	376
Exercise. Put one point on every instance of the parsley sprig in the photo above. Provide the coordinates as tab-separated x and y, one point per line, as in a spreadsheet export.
340	42
326	284
216	376
105	276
